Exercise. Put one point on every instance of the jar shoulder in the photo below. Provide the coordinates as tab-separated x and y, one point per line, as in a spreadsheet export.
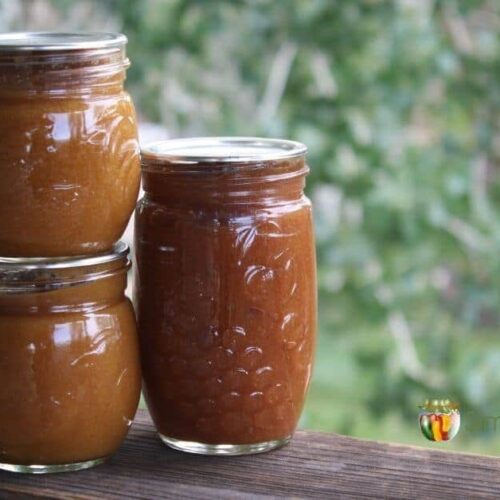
148	206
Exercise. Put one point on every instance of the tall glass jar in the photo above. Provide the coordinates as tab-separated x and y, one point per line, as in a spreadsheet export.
69	361
69	153
225	292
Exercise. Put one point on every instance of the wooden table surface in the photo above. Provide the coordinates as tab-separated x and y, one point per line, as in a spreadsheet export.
314	465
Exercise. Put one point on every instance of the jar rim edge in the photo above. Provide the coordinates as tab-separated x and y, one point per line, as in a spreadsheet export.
48	41
119	251
264	149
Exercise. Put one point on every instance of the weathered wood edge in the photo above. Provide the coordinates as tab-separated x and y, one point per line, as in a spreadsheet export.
315	465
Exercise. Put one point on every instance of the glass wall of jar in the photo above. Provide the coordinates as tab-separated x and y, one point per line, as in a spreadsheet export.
225	292
69	153
69	361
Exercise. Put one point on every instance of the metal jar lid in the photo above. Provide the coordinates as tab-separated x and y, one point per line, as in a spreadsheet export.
222	150
25	274
53	41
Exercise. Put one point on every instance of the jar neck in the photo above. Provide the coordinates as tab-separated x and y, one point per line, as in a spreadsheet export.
63	73
63	284
217	185
85	297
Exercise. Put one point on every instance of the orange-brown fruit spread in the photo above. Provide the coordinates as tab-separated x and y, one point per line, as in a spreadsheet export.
69	153
225	292
69	361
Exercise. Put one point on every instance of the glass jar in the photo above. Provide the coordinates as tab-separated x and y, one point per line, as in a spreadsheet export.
69	153
69	361
225	292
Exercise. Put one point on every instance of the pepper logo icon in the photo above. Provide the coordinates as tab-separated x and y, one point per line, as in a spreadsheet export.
439	419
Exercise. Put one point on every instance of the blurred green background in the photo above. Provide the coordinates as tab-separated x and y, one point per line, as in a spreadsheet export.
399	103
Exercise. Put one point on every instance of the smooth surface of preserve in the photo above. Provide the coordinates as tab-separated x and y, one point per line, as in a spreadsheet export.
69	365
226	298
69	153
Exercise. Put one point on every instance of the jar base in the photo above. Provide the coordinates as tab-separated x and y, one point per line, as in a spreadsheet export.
223	449
51	468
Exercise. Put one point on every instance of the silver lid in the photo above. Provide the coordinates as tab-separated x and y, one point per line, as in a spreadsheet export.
50	41
119	251
223	150
42	274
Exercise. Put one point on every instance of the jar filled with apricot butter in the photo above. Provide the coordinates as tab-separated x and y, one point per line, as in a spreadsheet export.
225	292
69	153
69	361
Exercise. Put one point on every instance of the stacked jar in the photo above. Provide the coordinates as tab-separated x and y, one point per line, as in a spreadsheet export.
69	179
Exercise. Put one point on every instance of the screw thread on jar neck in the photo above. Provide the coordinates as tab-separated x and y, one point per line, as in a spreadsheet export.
223	171
62	63
260	184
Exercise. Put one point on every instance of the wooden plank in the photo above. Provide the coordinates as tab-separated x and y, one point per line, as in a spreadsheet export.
314	465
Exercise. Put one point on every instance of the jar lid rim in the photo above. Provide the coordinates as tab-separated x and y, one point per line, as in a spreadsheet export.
222	150
44	41
120	251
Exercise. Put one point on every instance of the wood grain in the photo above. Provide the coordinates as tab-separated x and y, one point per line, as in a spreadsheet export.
314	465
